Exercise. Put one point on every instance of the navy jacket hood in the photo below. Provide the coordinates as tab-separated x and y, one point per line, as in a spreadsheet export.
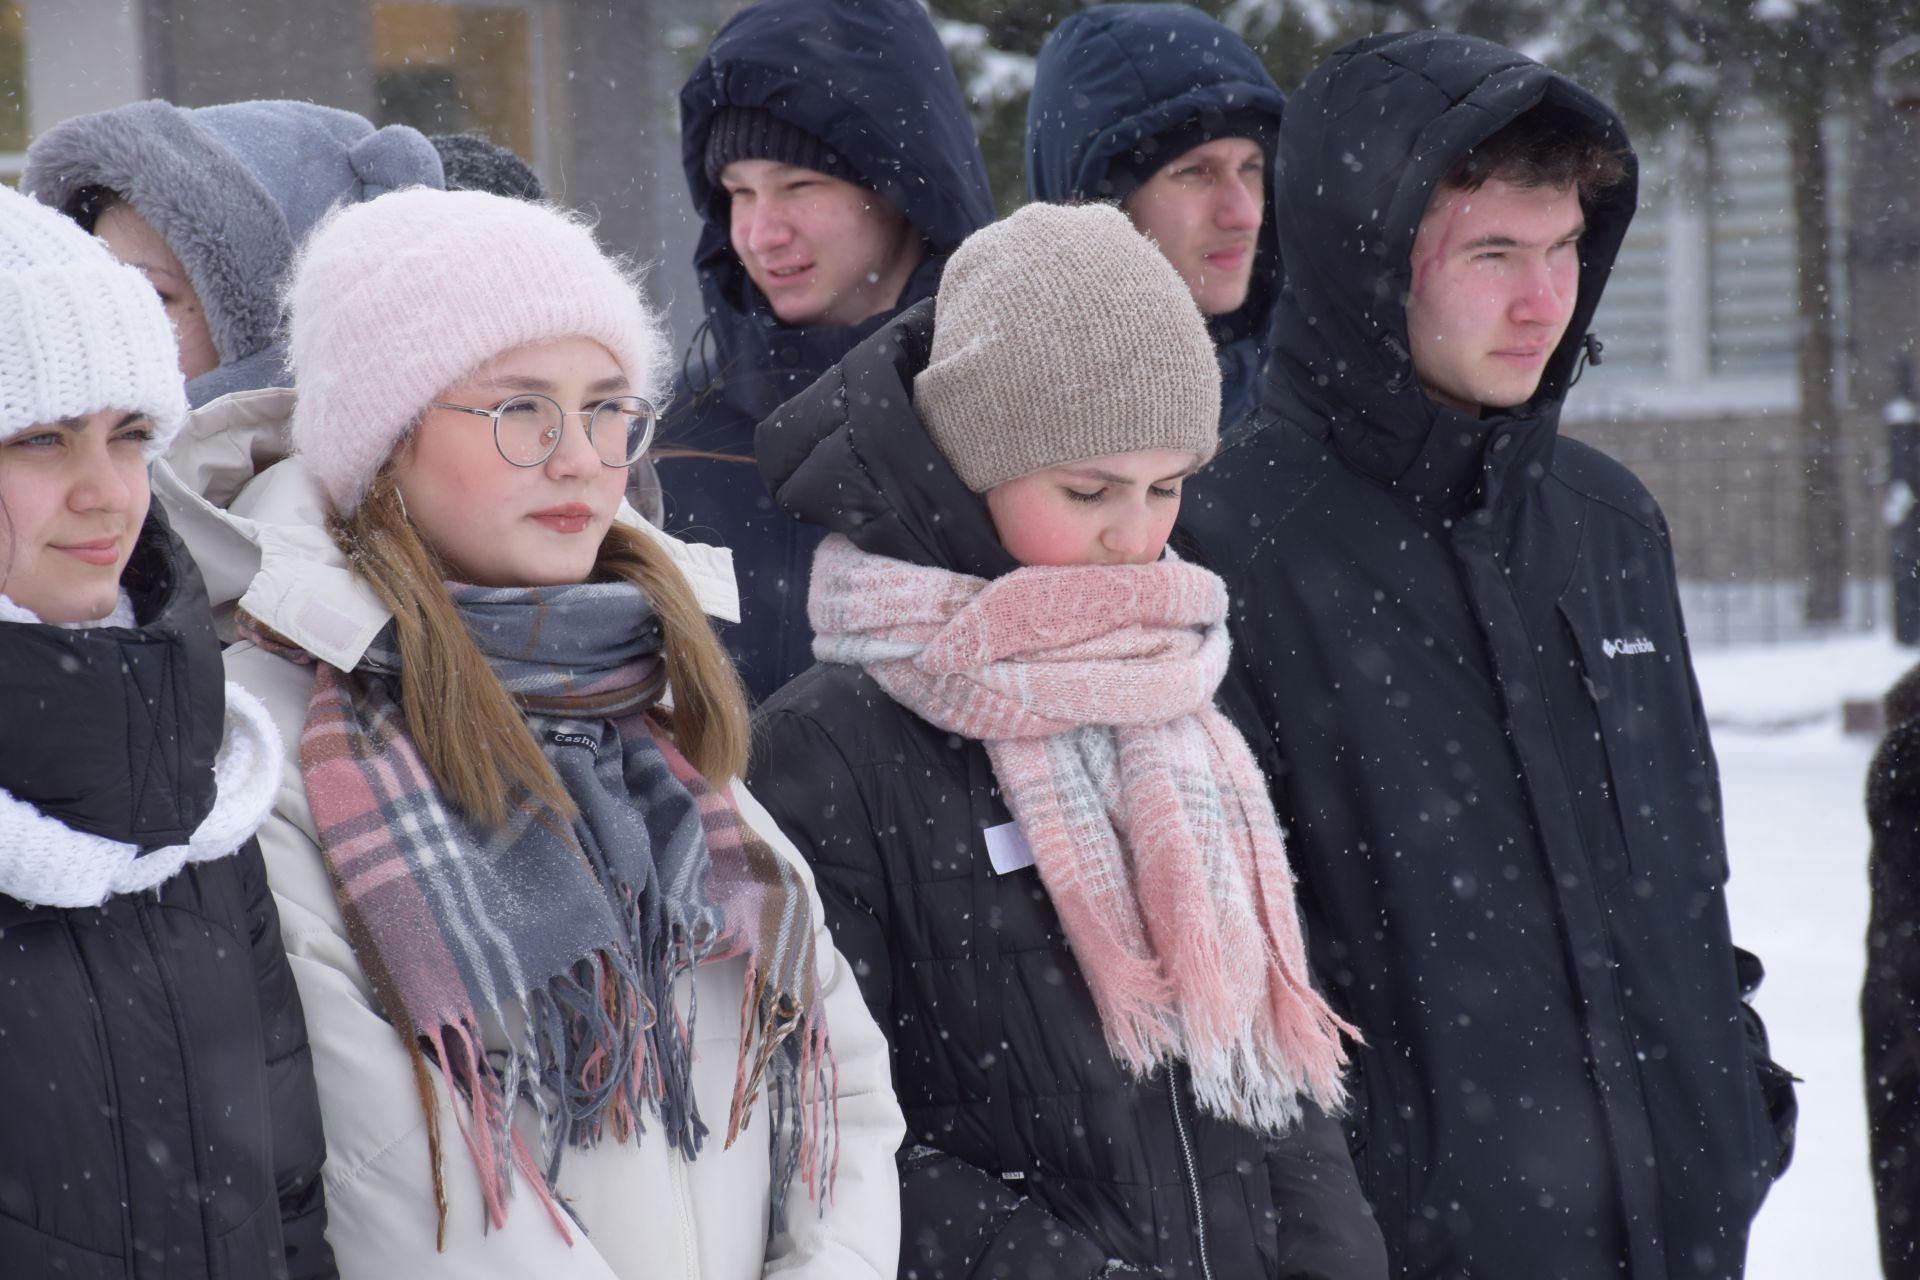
1506	823
1110	77
1365	140
871	79
850	455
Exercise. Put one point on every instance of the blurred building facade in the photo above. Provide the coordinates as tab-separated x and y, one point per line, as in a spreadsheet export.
1698	390
584	90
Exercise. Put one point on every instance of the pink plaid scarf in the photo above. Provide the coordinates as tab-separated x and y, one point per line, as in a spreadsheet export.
1092	690
588	930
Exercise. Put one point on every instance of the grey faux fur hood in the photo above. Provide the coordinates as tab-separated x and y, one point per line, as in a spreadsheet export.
233	190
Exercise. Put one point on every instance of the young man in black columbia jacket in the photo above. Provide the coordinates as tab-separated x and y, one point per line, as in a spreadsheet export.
1458	640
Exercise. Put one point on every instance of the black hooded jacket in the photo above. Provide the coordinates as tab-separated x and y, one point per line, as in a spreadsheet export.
1115	75
1029	1152
1890	996
161	1113
1459	643
871	79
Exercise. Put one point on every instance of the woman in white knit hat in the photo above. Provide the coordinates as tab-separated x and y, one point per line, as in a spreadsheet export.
161	1108
1051	860
574	1010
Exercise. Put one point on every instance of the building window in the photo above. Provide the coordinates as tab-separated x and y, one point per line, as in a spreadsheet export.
1700	314
1750	267
459	68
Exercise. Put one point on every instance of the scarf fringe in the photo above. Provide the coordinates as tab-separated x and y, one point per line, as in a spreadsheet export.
486	1124
788	1054
585	928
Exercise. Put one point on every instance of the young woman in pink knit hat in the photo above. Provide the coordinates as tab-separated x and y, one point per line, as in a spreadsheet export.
574	1009
1051	860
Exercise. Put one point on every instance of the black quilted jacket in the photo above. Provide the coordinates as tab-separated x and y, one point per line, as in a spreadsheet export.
161	1114
1030	1153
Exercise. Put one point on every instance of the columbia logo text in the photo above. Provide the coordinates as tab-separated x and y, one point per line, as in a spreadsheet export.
1623	648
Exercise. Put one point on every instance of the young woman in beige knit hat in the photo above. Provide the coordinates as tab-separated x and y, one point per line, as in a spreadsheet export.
1050	859
575	1011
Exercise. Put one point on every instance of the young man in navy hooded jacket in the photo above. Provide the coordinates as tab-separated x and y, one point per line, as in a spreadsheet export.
1162	110
833	162
1459	636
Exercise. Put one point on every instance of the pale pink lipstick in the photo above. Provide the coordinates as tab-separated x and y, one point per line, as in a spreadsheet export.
100	551
571	517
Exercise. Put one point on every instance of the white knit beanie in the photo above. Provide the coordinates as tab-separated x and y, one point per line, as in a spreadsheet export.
1062	333
79	332
395	300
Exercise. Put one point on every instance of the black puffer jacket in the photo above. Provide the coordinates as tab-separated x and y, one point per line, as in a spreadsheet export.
1462	643
1030	1153
871	79
1114	74
1890	997
161	1114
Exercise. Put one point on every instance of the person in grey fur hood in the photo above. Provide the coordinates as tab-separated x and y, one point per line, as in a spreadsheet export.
163	1119
211	204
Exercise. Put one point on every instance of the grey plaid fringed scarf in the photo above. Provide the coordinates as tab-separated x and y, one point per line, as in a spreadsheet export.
588	928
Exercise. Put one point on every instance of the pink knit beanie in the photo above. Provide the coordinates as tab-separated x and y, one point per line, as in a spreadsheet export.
395	300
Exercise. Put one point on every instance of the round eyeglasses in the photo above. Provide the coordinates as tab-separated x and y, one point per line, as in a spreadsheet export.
527	428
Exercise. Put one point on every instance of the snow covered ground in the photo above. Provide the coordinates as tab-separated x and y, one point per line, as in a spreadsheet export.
1797	832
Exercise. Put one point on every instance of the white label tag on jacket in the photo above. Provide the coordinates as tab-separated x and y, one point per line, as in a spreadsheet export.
1007	848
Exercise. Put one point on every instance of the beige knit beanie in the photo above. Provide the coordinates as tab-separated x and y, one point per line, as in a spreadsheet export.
1062	333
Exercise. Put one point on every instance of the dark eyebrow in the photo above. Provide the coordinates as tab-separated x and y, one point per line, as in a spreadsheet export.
79	424
1094	473
1108	477
526	382
1499	241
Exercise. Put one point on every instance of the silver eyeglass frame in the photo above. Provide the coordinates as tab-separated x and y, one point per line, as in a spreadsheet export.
653	422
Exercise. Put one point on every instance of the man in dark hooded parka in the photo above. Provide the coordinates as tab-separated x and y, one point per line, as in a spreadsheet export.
1124	95
1458	642
861	90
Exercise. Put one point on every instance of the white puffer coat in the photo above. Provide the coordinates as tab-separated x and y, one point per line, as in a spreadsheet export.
259	535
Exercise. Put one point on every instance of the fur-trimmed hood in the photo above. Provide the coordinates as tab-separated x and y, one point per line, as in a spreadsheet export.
233	190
